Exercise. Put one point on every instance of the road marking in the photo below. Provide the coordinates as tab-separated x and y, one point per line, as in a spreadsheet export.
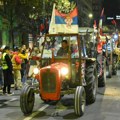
35	113
11	100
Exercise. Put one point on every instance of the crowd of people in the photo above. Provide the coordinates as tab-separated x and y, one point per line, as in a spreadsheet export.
16	66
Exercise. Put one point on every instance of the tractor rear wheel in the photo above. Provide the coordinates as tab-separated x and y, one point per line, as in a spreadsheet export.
79	101
102	78
27	99
91	83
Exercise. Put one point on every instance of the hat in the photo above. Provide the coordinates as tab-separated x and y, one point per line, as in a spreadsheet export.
16	48
7	48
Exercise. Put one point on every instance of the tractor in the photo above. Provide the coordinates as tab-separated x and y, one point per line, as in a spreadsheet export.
101	61
73	73
111	56
90	40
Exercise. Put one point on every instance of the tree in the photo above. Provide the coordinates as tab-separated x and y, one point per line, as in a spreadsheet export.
25	15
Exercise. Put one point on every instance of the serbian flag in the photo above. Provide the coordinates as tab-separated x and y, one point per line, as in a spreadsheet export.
64	23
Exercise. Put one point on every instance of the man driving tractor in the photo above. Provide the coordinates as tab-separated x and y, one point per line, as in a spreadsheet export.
63	51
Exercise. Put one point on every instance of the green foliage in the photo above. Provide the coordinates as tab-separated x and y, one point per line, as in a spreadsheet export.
65	6
25	13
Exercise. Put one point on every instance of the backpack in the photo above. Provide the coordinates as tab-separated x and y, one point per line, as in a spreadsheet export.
18	60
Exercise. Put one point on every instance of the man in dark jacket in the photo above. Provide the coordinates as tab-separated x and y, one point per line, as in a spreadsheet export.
7	70
63	51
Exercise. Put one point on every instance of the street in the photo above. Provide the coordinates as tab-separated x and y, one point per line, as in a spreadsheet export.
106	107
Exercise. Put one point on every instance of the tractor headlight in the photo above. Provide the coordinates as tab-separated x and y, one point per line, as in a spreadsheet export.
64	71
36	71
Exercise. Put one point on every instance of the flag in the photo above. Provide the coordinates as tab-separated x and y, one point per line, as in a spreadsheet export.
101	21
101	18
52	27
64	23
113	22
95	25
42	27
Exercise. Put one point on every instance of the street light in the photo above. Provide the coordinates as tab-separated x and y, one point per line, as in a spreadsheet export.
90	19
90	15
33	7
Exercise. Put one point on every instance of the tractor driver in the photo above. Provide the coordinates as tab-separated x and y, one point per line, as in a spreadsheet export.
63	51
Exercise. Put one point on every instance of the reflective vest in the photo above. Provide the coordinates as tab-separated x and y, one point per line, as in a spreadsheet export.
4	63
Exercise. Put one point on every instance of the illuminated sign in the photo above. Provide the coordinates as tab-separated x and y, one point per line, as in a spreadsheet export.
110	18
117	17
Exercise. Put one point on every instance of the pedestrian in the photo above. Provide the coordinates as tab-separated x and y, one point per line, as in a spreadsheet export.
24	56
7	71
64	49
16	62
1	76
34	60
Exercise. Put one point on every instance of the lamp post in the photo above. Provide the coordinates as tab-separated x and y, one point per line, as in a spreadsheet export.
90	16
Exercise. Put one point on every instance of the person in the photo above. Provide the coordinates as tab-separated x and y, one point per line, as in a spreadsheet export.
16	62
63	51
24	56
7	70
34	60
1	75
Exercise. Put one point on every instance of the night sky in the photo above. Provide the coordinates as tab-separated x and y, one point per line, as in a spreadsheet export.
111	9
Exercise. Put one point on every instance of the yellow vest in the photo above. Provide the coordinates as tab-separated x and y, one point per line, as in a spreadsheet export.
4	63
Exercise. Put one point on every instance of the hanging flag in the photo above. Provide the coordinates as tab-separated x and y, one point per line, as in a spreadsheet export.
64	23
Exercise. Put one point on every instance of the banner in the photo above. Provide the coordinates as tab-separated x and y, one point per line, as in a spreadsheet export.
64	23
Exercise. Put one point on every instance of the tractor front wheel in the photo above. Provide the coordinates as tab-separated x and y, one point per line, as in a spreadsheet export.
27	99
79	101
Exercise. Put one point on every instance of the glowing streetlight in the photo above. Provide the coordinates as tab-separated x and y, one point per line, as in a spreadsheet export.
33	7
90	15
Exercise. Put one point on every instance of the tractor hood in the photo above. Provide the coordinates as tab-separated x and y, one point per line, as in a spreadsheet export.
51	78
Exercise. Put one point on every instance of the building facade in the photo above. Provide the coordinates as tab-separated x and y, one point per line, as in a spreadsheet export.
87	7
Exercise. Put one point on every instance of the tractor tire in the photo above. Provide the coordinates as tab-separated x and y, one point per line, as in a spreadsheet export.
114	72
27	99
91	84
114	67
79	101
102	78
109	71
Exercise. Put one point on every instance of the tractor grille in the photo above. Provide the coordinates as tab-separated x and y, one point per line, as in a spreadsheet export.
49	81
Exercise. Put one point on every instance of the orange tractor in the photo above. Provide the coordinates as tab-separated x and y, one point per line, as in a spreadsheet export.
72	73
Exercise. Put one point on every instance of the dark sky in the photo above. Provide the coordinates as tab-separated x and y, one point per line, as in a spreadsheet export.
112	7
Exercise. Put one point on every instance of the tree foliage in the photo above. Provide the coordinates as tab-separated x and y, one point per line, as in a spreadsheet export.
25	14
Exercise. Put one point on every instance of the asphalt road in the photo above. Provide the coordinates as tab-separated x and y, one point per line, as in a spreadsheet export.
106	107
